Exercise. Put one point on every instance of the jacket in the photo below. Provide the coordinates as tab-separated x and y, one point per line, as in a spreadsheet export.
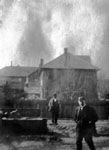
85	118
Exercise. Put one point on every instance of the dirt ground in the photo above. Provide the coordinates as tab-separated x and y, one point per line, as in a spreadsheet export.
60	137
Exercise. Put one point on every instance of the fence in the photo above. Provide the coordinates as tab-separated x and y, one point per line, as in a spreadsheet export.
40	108
68	110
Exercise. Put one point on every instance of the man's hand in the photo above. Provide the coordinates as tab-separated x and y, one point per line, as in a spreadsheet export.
79	123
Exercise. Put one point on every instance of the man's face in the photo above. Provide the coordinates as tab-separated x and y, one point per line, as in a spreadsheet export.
55	96
81	103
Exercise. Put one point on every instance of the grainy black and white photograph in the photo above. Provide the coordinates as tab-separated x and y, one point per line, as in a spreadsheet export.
54	74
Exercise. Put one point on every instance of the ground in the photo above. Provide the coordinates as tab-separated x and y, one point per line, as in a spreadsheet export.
60	137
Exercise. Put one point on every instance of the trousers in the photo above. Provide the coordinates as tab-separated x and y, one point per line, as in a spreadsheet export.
87	135
55	116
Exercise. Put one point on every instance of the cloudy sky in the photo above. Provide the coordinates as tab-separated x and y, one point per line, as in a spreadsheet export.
34	29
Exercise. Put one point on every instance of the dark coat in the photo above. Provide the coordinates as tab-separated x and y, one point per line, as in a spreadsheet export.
85	118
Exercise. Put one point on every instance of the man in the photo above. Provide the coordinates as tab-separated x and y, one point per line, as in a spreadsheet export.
85	117
54	108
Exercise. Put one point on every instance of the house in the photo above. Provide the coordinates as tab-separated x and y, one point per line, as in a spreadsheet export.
22	78
69	76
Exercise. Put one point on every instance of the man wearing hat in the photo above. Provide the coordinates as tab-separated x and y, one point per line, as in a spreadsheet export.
85	118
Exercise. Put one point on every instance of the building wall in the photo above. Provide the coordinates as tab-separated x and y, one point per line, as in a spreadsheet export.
86	81
32	86
69	84
14	82
34	75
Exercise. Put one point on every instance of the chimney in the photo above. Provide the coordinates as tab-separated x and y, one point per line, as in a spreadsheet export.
11	64
41	62
66	56
65	50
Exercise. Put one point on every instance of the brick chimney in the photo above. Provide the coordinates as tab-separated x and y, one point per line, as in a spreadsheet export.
41	62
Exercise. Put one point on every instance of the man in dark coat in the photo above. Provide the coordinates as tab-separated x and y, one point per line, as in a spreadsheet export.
85	117
54	108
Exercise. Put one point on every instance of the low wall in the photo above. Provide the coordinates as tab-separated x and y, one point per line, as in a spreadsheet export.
40	108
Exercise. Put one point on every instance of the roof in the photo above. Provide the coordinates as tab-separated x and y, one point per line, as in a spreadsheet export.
69	61
17	71
85	57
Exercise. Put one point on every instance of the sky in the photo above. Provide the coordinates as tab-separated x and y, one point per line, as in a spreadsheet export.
35	29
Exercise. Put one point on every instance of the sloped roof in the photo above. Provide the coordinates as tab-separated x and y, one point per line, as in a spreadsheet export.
69	61
85	57
17	71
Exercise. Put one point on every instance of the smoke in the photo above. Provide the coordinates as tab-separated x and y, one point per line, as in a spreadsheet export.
41	29
80	25
11	30
75	24
33	45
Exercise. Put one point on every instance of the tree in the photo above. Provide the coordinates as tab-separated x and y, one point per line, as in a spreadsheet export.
12	95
